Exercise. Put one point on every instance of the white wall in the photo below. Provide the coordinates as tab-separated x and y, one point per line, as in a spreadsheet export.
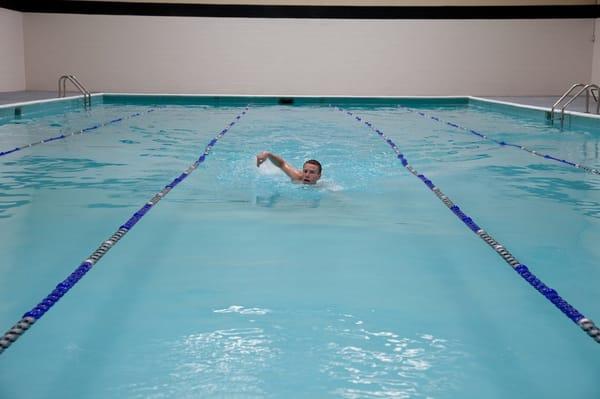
596	62
12	64
311	57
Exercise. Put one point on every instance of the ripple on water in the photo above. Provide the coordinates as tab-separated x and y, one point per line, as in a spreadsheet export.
242	310
369	363
219	363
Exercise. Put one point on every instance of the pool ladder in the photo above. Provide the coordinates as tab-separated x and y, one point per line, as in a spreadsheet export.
62	91
589	88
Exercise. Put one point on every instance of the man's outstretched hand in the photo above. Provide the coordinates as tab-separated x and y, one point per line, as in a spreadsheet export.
262	157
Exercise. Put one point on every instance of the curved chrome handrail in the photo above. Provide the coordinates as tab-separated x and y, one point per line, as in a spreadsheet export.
62	88
587	88
562	98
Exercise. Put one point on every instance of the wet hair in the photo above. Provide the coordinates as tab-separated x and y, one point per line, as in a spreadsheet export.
314	162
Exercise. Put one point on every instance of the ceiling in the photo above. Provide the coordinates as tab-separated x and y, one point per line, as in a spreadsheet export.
369	2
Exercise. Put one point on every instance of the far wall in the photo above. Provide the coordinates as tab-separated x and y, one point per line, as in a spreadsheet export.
596	62
309	56
12	57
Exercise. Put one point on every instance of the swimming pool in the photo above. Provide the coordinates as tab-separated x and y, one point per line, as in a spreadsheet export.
241	284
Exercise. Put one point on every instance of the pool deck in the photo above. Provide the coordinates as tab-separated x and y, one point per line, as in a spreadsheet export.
546	102
12	97
578	105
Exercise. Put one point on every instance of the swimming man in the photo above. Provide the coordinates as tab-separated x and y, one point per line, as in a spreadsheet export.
310	173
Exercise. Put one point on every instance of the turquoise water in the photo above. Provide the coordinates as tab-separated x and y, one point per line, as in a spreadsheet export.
241	284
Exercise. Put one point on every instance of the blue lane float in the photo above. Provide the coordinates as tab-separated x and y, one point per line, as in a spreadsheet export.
506	144
573	314
82	131
30	317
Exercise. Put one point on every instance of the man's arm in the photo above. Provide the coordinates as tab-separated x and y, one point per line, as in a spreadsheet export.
288	169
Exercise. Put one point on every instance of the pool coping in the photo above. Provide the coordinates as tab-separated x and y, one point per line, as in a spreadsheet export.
48	100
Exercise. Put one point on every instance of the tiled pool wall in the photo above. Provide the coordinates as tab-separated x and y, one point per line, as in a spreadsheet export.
281	100
47	107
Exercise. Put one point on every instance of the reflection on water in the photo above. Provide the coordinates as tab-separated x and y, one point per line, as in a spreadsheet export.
221	363
373	363
230	362
280	201
242	310
265	353
8	201
560	190
20	180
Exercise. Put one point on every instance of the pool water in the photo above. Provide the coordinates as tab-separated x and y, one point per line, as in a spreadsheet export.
240	284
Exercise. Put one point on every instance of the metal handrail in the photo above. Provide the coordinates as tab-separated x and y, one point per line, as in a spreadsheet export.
576	85
587	88
591	87
62	89
594	94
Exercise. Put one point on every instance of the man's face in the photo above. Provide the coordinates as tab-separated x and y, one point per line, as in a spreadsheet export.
310	173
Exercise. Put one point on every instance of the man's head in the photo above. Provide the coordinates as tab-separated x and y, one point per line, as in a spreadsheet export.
311	171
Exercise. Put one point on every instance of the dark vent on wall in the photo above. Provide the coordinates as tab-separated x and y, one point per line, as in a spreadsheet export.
286	101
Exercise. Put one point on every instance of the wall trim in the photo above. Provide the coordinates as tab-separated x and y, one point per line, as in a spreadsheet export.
305	12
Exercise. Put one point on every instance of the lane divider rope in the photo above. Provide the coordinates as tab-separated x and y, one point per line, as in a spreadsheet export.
63	287
586	324
82	131
505	143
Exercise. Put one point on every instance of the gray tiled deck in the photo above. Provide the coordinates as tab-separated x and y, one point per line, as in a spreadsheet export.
546	102
11	97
